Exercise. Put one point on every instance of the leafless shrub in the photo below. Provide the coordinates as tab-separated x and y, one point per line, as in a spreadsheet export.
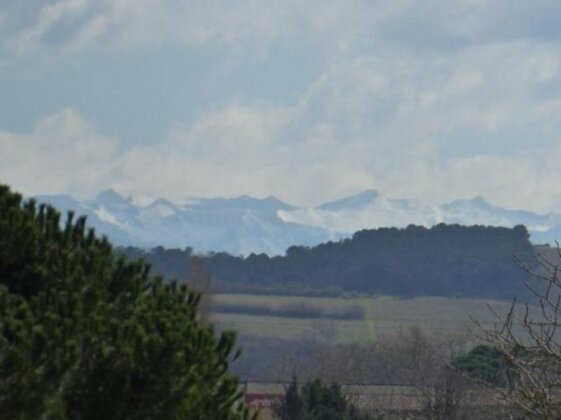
198	279
529	341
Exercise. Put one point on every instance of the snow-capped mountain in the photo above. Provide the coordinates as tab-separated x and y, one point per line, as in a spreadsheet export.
542	227
239	226
245	224
366	210
371	209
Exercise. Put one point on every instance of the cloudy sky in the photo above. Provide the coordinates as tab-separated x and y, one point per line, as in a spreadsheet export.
304	100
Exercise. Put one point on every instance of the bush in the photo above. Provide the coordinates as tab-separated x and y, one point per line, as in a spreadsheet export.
293	310
315	401
484	363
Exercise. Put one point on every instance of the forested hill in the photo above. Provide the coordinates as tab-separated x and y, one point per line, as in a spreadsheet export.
445	260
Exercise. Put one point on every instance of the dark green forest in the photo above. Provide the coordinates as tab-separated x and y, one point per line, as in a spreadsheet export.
445	260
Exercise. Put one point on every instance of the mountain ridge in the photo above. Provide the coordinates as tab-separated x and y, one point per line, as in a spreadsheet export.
242	225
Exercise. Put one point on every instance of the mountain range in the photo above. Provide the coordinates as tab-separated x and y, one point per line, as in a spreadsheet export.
245	225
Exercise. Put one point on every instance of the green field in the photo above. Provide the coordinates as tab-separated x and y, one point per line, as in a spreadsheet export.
384	315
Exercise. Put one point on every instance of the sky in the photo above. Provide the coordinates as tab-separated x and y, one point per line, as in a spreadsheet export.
308	101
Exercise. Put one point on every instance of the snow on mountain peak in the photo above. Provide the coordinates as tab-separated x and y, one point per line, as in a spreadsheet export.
366	210
162	208
141	200
111	198
270	203
106	216
477	202
246	224
354	202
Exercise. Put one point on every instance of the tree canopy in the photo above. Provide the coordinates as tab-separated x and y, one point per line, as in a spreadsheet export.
314	400
445	260
484	363
85	334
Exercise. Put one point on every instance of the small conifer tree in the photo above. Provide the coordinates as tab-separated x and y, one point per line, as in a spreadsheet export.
314	400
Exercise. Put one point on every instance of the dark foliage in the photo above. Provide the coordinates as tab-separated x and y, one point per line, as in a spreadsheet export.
87	335
315	401
293	310
446	260
484	363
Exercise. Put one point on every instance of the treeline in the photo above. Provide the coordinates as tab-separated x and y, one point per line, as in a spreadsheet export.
445	260
293	310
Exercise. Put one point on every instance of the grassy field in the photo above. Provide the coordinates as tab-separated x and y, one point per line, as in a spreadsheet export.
384	315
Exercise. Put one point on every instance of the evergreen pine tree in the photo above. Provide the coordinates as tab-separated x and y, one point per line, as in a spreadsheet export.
87	335
315	401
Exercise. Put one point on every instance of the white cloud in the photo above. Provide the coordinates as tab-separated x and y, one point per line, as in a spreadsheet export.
376	121
338	27
126	23
332	142
61	154
430	100
48	16
341	26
